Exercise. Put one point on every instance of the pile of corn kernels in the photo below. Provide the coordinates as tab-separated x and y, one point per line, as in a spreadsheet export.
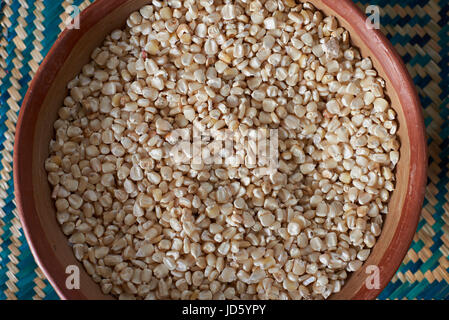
147	227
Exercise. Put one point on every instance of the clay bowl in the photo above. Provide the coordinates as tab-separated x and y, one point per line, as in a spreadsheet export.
72	50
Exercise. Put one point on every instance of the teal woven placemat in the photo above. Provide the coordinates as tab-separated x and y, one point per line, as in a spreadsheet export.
417	28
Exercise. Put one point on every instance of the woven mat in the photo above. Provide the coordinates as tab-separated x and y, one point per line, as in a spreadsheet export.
418	29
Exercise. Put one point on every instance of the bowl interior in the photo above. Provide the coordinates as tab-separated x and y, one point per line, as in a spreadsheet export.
66	59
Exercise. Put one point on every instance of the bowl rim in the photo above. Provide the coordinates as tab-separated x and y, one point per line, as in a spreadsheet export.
46	73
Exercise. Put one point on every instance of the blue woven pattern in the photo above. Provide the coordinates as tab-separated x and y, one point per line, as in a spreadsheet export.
417	28
28	29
